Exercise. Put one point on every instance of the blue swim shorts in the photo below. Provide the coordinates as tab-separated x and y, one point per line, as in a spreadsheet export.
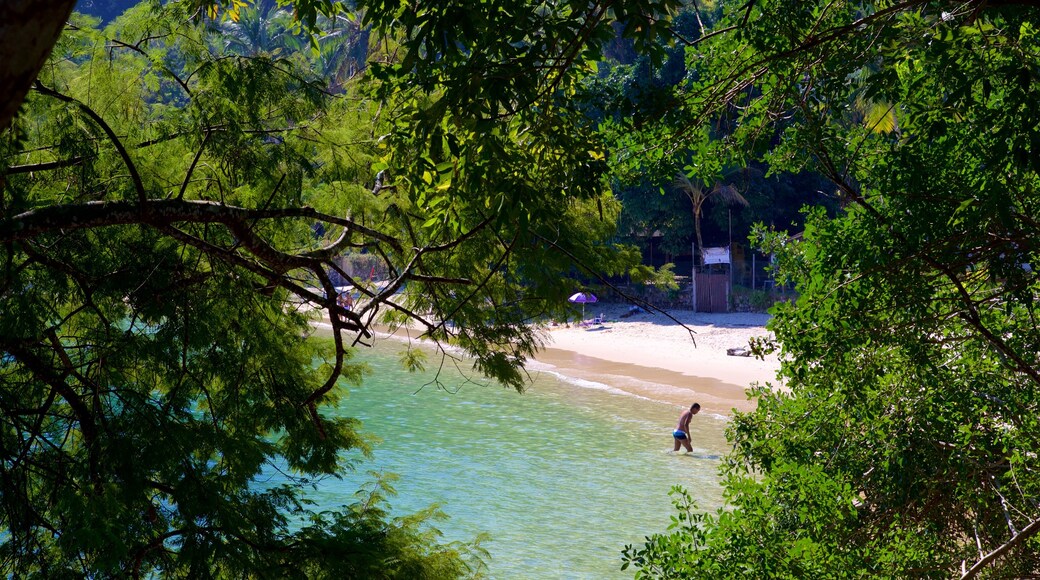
679	434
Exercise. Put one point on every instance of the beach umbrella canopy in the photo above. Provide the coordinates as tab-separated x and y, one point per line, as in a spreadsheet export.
582	298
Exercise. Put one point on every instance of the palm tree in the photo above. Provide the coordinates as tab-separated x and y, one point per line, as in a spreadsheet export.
698	196
342	50
261	29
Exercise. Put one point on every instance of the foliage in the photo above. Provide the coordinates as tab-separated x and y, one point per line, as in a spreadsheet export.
905	446
504	158
662	278
172	217
699	195
744	299
631	96
260	29
151	372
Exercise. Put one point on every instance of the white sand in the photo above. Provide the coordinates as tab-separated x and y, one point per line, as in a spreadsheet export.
662	358
650	355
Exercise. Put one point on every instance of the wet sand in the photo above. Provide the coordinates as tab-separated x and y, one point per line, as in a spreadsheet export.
652	356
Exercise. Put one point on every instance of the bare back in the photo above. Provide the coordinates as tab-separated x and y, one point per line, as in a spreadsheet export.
684	421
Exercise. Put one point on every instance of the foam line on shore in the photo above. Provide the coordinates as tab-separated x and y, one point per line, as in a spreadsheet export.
651	357
588	384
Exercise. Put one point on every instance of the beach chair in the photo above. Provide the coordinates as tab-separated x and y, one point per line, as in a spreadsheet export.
594	321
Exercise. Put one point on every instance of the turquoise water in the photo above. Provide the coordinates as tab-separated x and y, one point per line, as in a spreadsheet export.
562	477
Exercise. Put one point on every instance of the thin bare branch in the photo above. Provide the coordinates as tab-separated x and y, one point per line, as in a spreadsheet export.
31	168
1026	533
116	142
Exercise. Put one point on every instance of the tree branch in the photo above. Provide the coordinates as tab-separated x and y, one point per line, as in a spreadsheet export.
1018	538
191	168
157	212
164	68
44	371
131	167
44	166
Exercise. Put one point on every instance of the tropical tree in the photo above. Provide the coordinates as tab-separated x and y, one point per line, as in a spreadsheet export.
151	370
904	443
262	28
341	50
722	193
171	218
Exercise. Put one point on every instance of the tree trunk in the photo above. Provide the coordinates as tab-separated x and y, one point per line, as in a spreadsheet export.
699	251
28	31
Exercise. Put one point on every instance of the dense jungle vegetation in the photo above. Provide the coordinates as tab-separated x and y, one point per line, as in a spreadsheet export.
180	181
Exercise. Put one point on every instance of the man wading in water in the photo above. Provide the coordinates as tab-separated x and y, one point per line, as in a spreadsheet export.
682	430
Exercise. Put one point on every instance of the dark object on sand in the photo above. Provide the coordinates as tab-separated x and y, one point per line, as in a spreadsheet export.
631	311
738	351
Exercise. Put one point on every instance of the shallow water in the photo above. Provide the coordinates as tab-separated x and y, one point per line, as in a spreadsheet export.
562	477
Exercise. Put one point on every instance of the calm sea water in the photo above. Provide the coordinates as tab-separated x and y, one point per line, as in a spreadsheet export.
562	476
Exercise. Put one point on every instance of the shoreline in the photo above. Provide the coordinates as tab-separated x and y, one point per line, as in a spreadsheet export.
650	356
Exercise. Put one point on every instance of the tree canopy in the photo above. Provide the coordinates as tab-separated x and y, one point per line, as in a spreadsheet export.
904	444
173	214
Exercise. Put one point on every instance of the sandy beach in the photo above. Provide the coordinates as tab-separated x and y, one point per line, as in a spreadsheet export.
652	356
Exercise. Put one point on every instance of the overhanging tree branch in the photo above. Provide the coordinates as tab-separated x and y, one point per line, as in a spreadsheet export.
158	212
116	142
47	166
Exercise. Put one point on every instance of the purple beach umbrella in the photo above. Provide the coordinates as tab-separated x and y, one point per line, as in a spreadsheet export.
582	298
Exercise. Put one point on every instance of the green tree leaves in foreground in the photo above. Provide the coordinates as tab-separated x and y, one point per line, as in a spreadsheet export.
172	218
906	446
